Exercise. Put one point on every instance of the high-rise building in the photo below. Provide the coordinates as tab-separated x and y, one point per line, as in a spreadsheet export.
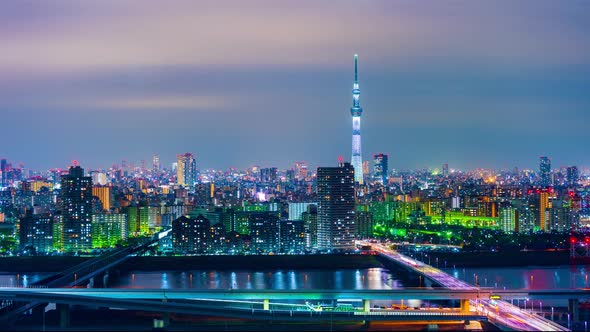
301	170
380	168
545	171
3	170
105	195
356	111
336	207
76	198
572	176
268	175
445	169
186	170
156	163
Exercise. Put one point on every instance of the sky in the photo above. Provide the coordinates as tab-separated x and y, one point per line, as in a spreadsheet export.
491	84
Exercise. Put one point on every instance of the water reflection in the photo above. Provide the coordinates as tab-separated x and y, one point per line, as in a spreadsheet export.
374	278
528	277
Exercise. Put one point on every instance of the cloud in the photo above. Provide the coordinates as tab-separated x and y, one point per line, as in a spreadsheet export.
188	103
67	36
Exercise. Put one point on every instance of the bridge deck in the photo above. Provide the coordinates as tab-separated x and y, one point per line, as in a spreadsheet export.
500	313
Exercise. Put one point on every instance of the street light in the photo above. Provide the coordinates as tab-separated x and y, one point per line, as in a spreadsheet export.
541	306
569	325
552	313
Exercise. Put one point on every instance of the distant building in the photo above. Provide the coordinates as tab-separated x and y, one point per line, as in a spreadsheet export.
545	171
336	207
4	172
268	175
186	170
380	168
445	169
156	163
572	176
76	199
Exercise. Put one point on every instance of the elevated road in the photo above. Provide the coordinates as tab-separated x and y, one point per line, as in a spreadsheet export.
204	303
500	313
31	294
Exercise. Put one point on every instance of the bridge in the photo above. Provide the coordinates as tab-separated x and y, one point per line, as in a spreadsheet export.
500	313
78	274
240	304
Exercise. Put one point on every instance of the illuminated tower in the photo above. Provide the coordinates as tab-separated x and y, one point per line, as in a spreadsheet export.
356	111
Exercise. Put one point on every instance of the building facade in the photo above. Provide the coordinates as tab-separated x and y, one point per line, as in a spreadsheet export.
336	207
76	200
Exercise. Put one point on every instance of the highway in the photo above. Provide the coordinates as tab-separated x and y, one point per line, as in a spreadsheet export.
499	313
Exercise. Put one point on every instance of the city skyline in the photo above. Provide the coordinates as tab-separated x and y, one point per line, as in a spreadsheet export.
439	90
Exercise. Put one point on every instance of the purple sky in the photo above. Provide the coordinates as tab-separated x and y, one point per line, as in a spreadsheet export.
239	83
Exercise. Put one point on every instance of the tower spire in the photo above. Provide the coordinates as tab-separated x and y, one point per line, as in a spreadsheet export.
356	111
356	59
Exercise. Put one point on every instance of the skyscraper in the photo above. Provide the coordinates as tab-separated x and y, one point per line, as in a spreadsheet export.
186	170
336	207
356	111
156	163
3	170
572	176
76	198
545	171
380	168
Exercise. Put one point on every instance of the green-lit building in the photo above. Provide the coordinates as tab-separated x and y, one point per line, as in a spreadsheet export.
108	229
